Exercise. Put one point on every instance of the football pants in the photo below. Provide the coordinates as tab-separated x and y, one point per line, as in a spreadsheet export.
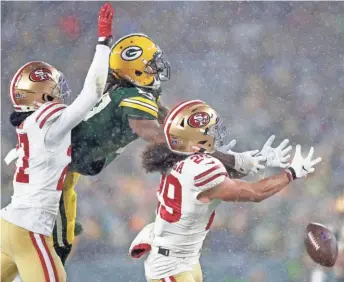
31	255
63	233
195	275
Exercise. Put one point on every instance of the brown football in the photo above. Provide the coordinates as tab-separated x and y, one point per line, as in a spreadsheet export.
321	244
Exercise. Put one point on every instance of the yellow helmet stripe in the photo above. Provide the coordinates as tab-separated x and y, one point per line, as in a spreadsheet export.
144	100
139	107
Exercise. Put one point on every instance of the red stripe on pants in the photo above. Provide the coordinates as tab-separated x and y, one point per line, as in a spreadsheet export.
41	258
50	257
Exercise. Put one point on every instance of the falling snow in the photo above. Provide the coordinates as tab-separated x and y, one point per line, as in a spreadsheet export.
268	68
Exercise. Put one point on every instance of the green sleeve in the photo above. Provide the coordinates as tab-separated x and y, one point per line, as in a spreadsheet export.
136	103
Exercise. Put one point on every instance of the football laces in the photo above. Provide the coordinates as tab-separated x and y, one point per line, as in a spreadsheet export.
313	241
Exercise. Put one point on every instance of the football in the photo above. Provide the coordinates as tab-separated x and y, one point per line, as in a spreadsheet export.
321	244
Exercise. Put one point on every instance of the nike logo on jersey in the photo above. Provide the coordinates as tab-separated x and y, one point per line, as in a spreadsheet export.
304	168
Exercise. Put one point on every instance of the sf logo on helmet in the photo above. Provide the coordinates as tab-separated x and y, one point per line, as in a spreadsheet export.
41	74
131	53
199	119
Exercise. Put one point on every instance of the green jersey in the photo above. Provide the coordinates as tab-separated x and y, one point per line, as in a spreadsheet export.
105	131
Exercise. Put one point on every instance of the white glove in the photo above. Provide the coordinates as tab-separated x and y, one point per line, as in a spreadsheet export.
246	162
227	148
300	166
142	243
276	157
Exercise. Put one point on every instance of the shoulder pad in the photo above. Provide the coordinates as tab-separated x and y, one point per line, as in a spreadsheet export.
138	99
48	112
207	171
147	94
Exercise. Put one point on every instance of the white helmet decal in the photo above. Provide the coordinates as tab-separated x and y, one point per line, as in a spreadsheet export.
131	53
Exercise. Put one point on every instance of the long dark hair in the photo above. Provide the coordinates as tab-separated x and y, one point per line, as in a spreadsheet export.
159	158
16	118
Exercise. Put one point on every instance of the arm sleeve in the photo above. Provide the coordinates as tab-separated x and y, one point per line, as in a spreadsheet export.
90	94
208	174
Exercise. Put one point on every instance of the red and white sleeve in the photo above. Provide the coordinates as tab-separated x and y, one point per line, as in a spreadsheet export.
209	175
48	112
90	94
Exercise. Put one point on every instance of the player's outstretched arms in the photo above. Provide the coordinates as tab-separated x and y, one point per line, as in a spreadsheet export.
163	112
148	130
242	191
239	165
238	190
250	162
94	83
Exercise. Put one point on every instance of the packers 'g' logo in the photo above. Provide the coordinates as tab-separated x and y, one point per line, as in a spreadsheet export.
131	53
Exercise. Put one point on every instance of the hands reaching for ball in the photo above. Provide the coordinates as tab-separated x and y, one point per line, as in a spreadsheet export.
251	162
301	166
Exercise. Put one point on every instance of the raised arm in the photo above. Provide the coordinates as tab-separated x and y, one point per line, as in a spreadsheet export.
94	83
237	190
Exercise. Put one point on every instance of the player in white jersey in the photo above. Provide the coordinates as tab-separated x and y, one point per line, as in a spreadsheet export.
43	126
193	184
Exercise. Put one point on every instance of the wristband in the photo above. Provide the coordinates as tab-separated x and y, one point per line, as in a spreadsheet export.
289	174
105	40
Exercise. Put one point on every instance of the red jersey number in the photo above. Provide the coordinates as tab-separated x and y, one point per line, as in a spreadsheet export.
22	176
64	172
175	203
23	143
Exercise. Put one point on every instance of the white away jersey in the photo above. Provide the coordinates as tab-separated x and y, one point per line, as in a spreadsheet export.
182	221
40	172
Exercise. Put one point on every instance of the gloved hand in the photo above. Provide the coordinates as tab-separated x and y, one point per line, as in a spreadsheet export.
246	162
300	166
276	157
105	24
228	148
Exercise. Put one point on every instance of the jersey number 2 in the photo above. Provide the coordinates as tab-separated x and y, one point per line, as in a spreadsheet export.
175	203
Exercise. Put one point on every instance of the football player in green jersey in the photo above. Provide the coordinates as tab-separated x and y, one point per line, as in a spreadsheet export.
129	109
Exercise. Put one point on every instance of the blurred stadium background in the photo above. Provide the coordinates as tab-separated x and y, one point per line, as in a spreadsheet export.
266	67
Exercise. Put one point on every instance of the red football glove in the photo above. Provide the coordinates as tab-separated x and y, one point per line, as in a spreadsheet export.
105	23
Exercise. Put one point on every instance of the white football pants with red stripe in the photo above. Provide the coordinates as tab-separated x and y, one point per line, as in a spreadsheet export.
28	254
189	276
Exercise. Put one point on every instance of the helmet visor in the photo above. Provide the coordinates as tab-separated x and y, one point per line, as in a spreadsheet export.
219	131
62	90
159	67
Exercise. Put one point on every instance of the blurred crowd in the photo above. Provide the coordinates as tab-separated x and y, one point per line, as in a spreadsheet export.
268	68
